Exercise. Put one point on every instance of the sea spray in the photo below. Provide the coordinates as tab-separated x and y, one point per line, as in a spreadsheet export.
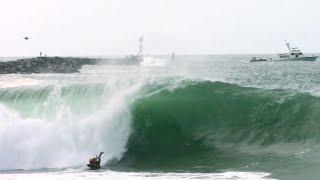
45	127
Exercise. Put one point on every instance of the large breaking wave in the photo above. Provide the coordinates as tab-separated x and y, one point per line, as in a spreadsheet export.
197	123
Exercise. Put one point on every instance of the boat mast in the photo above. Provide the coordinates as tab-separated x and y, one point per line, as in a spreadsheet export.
140	46
289	48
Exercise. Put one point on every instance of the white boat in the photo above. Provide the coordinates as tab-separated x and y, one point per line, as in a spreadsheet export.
295	54
130	59
139	56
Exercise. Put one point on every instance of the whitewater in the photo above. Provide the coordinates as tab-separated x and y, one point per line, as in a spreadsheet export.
194	117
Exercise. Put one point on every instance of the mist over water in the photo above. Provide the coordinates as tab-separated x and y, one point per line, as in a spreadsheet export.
217	115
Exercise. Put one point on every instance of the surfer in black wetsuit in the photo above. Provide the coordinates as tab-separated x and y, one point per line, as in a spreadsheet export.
94	163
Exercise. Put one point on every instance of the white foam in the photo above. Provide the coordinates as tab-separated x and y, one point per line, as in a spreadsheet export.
75	175
67	139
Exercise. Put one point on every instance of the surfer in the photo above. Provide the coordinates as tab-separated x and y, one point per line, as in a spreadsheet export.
94	163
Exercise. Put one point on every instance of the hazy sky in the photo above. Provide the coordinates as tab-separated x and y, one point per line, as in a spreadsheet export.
112	27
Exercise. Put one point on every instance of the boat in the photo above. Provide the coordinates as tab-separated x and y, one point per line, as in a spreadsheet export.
133	59
295	54
139	56
255	59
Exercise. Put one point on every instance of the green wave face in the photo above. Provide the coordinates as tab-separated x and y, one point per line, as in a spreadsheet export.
201	126
209	123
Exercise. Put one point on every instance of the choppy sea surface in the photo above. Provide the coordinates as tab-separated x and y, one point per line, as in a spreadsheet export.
194	117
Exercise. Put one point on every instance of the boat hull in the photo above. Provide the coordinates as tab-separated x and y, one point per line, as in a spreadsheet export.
307	58
259	60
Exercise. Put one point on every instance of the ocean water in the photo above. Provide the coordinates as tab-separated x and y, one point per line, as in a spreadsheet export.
195	117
